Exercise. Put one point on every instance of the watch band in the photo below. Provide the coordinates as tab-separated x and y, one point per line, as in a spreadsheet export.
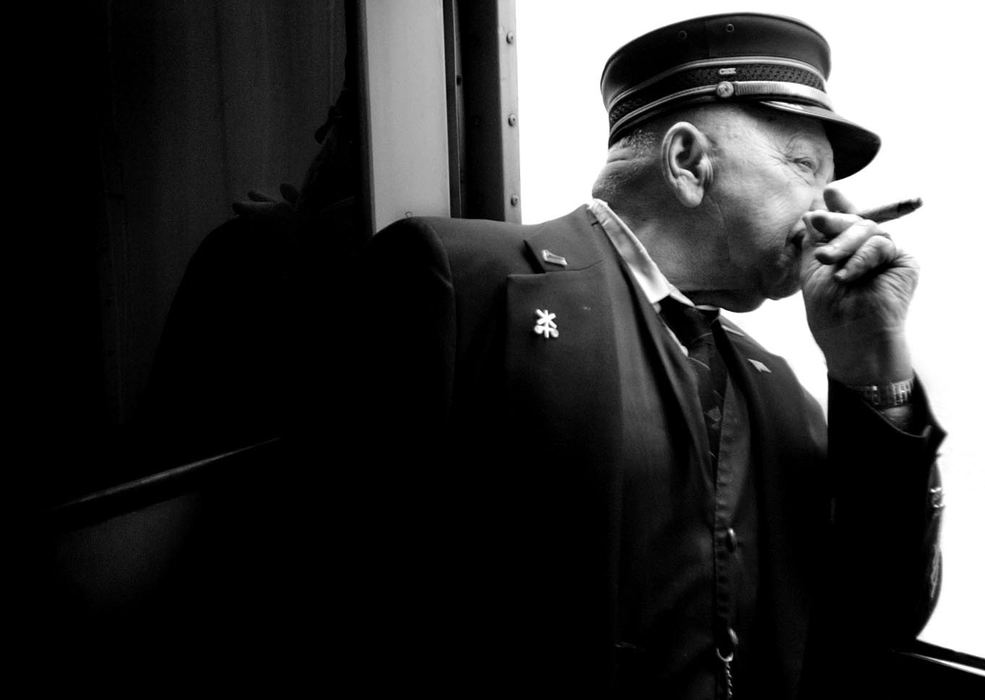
886	395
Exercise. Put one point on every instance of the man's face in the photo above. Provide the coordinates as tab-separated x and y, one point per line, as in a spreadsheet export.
768	170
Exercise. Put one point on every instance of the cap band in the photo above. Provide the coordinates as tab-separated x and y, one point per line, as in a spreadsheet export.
765	88
746	67
754	77
725	90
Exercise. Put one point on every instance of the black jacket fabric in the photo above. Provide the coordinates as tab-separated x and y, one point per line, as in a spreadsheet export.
496	476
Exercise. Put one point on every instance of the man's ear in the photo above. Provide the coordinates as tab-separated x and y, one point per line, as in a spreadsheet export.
686	163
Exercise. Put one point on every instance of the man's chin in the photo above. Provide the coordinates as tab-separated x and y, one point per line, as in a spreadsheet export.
750	302
743	300
784	294
741	303
786	288
741	306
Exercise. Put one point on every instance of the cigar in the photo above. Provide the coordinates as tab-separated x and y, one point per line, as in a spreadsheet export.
892	211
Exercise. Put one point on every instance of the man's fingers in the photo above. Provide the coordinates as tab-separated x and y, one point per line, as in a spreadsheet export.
254	208
837	202
874	253
858	249
259	196
848	241
829	224
289	192
836	236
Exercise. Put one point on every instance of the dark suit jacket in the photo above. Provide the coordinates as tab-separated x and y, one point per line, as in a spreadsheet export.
504	479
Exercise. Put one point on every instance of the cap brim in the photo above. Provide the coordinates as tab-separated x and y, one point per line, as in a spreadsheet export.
853	146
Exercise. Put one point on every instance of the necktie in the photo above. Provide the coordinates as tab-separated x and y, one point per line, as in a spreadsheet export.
693	327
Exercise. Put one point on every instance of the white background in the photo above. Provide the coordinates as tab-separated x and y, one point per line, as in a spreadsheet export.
913	77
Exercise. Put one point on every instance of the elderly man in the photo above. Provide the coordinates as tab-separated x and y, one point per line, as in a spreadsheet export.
577	478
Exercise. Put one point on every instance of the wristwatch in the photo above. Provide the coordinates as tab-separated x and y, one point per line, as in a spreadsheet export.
886	395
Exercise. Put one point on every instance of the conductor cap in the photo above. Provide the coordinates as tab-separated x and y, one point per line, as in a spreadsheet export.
777	62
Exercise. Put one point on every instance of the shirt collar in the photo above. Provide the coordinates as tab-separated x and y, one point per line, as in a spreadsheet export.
655	286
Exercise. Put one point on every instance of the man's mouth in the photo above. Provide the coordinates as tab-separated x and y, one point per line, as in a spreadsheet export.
799	238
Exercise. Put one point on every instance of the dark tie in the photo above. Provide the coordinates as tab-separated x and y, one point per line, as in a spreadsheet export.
693	327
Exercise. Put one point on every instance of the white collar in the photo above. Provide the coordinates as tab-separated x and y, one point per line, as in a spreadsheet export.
655	286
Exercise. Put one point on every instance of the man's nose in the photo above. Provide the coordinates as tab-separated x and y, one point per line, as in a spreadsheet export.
818	201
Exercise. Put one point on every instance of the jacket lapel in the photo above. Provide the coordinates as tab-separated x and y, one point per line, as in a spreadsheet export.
578	240
577	266
669	356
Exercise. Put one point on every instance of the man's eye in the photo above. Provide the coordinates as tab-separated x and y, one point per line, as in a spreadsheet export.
806	163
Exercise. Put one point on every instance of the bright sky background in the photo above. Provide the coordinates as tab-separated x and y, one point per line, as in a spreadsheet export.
910	76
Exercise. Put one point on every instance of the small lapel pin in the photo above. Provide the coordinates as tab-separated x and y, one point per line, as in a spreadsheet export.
553	258
545	325
759	366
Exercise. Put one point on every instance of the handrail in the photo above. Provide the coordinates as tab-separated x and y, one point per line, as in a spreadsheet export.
933	653
132	495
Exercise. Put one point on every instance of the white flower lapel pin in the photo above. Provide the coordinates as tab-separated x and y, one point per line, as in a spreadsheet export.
545	325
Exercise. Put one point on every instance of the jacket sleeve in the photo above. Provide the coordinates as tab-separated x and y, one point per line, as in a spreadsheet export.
405	335
399	379
886	517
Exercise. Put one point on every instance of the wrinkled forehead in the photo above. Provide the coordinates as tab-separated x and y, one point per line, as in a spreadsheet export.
778	127
802	132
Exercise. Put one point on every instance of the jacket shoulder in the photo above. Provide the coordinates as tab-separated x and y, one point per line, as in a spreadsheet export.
480	246
455	242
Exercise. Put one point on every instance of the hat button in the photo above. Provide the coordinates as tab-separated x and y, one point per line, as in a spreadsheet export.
725	89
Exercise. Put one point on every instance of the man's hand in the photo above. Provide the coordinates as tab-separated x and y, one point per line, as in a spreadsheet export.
857	289
265	206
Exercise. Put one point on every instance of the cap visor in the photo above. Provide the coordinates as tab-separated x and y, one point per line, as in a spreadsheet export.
853	146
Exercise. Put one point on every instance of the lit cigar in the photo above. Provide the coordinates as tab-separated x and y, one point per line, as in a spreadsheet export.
892	211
